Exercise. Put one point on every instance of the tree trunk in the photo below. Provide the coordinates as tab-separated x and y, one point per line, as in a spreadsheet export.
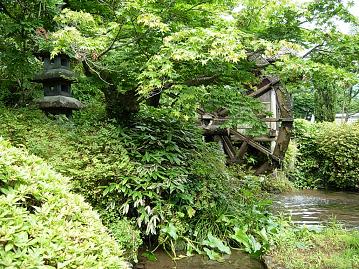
121	106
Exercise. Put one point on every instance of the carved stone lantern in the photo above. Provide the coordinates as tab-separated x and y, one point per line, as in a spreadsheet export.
56	79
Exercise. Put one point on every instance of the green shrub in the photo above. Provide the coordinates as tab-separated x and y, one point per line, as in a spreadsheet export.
43	224
158	173
123	230
277	182
328	155
338	146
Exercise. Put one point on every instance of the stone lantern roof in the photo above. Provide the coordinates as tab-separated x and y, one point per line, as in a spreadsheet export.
56	79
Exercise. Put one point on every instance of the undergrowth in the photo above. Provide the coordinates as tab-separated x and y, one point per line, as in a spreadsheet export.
174	189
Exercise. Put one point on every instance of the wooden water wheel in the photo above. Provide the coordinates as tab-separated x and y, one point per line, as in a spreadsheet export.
268	149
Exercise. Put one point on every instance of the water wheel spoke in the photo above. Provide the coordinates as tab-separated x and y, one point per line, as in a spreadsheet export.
242	150
229	148
264	89
254	144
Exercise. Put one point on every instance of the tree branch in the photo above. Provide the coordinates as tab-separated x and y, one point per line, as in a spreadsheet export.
154	98
111	45
88	70
311	50
201	80
194	6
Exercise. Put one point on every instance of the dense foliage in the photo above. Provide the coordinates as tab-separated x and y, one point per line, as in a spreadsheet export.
43	224
185	54
327	155
144	68
173	186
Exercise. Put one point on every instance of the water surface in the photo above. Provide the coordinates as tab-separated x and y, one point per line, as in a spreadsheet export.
318	208
306	207
237	260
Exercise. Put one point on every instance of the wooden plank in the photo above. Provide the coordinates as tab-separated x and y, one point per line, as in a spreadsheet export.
264	138
242	150
221	120
229	148
276	119
255	145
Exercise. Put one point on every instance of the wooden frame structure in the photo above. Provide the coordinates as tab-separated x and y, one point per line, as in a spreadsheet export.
272	147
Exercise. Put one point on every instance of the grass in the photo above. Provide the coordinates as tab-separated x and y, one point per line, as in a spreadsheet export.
330	248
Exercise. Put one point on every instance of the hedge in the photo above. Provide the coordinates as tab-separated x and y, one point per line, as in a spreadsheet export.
43	224
328	155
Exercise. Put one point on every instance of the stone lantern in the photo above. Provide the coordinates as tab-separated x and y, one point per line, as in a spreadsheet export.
56	79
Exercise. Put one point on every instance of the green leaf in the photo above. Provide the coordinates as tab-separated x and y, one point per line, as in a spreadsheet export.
214	242
9	246
190	211
149	255
171	230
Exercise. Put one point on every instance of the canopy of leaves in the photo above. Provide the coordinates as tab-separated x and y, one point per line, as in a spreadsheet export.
188	52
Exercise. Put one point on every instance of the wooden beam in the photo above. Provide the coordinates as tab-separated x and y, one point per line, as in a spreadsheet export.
219	120
276	119
286	112
229	148
263	89
264	138
255	144
242	150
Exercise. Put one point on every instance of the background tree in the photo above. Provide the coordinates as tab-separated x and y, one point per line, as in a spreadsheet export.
22	23
187	54
324	62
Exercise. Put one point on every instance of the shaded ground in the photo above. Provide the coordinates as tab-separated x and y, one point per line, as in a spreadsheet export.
238	260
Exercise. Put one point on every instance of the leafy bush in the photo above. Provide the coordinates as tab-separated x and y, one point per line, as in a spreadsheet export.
277	182
328	155
158	173
43	224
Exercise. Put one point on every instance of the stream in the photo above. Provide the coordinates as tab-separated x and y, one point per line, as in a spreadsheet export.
315	208
237	260
312	208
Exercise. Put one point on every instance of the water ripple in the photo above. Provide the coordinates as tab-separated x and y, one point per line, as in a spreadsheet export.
317	208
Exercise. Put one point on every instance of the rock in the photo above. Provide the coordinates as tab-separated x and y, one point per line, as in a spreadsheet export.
129	265
140	266
270	264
